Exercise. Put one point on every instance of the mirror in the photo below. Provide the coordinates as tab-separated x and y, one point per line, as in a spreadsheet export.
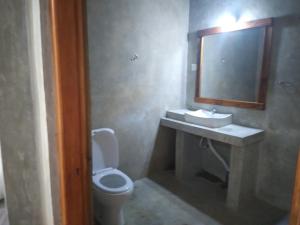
233	65
222	59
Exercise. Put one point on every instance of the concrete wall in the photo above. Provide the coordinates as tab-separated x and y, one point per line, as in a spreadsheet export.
50	107
16	118
281	119
23	125
128	93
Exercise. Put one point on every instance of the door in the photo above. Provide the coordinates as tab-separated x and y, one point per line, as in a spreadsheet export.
295	209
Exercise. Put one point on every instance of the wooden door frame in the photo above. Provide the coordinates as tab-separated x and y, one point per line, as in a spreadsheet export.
294	218
68	27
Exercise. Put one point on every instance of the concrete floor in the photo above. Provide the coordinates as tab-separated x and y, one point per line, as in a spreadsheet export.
3	214
210	199
163	200
151	204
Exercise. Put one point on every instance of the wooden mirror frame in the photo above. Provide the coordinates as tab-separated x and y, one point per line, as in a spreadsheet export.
262	94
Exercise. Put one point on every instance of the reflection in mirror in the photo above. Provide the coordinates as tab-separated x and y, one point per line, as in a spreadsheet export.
233	66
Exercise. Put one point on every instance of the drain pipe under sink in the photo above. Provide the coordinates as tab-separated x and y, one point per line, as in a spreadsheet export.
216	154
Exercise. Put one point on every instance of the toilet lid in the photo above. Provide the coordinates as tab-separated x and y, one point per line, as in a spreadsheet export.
105	149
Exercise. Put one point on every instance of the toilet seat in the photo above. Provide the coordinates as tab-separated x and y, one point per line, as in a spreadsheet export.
112	180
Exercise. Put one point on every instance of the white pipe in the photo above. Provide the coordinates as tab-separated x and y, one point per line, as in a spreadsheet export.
214	151
201	141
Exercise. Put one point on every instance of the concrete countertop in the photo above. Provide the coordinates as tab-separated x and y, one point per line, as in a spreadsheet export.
230	134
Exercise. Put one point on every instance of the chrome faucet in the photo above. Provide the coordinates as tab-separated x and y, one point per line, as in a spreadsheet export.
213	111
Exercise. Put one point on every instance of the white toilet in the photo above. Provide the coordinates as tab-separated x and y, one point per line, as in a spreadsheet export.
111	187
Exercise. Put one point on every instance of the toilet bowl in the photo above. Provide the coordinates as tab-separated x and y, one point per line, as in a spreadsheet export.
111	187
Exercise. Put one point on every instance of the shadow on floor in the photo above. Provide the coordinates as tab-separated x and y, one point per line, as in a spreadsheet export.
210	198
152	204
3	214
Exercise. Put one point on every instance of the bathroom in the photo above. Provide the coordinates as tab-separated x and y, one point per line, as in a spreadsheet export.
180	150
143	58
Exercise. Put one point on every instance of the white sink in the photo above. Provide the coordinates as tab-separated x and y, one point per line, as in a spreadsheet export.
208	119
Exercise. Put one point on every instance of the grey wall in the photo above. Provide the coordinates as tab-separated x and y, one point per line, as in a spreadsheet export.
281	119
23	129
131	95
50	107
16	118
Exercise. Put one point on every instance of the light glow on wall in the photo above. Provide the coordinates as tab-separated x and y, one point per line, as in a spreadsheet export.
227	21
245	17
230	22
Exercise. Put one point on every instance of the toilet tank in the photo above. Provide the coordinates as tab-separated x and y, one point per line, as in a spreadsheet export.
105	149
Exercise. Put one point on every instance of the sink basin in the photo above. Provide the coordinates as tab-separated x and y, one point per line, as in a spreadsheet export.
208	119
